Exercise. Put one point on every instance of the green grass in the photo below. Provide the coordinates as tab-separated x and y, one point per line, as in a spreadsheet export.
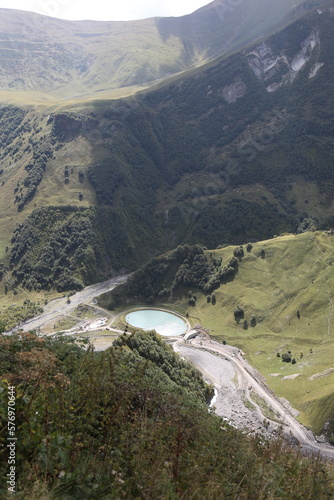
66	323
249	405
296	274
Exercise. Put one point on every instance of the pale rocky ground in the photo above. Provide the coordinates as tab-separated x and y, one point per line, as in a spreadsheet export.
233	393
243	398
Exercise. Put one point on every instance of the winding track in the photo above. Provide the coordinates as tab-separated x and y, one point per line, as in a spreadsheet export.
291	427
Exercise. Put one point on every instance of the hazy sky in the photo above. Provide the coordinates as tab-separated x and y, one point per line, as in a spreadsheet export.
106	10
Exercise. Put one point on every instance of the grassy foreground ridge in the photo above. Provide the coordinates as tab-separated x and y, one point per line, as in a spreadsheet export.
130	423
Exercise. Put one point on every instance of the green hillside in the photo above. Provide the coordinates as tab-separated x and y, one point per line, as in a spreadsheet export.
195	153
290	293
284	290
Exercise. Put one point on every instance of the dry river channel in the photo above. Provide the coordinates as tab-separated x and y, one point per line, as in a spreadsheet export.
243	398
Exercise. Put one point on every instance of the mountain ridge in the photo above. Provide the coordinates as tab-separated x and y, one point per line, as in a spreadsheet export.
80	64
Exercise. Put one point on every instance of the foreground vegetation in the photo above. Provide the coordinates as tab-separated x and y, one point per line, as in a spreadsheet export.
118	424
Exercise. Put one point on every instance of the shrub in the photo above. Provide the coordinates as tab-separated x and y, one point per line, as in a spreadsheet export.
306	225
239	313
239	252
286	357
234	263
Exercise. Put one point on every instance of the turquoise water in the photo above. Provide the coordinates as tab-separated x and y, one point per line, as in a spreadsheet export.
162	322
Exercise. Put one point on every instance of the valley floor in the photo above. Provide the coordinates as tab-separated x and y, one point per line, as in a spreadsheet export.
59	308
242	397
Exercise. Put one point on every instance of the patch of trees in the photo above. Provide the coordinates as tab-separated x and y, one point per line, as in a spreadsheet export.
14	315
308	224
81	176
51	256
239	252
218	224
68	126
69	247
170	274
287	357
239	314
35	168
151	346
192	299
106	179
131	171
249	247
11	124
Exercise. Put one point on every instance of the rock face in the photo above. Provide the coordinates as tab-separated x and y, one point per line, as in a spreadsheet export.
276	68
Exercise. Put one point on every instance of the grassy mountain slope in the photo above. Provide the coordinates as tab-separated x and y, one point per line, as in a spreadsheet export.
284	287
295	275
68	59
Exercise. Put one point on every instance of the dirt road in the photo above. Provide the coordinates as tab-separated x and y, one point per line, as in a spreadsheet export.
243	398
